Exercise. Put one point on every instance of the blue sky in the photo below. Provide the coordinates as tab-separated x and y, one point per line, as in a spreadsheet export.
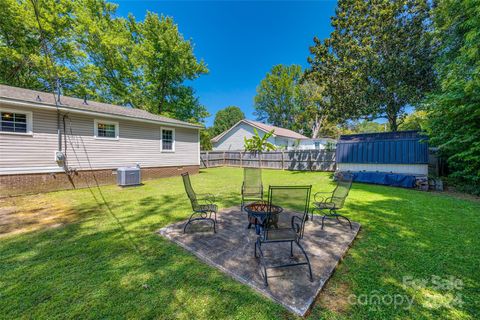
241	41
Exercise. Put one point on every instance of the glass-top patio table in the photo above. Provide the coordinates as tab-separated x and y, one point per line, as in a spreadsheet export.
258	213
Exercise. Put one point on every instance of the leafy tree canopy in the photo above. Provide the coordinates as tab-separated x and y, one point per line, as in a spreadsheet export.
276	99
285	98
205	139
454	109
377	60
363	126
416	120
98	55
226	118
315	117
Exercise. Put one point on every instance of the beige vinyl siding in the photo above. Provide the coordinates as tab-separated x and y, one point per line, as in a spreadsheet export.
234	139
138	142
287	143
281	143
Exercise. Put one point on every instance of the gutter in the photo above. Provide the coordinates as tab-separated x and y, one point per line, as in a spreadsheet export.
95	113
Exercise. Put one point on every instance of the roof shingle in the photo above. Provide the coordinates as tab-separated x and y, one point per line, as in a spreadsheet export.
39	97
281	132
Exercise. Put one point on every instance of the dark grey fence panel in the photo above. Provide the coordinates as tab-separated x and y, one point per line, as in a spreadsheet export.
233	159
272	160
211	159
250	160
301	160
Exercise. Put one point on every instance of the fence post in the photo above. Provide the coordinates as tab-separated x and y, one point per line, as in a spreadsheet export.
309	160
283	160
241	159
224	158
208	163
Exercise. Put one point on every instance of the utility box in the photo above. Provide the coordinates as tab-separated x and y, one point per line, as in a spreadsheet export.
129	176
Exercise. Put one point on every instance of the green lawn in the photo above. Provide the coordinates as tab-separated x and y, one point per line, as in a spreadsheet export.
107	262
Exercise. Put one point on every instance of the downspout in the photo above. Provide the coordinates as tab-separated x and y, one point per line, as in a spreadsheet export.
59	131
60	157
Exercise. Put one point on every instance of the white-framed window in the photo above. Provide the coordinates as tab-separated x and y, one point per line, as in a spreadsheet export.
14	121
105	129
167	142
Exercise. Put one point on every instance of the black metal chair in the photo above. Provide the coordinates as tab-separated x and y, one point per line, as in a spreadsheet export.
328	203
295	200
203	205
252	186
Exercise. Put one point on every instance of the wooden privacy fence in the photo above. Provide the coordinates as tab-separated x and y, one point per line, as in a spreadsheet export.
301	160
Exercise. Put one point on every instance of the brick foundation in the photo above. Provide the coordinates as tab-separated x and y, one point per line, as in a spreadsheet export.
18	184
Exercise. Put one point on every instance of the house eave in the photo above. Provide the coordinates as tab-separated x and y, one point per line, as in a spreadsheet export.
221	135
16	102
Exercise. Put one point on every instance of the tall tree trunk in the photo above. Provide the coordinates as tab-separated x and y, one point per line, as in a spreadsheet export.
392	120
392	111
316	127
319	122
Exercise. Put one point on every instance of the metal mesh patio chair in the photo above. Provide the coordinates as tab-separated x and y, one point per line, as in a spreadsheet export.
328	203
252	187
203	205
293	200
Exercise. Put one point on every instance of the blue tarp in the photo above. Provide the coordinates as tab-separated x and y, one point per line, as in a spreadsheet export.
384	178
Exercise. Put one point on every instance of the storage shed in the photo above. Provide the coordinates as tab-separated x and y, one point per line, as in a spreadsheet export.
390	158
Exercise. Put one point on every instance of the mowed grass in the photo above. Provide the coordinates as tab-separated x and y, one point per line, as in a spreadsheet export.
104	259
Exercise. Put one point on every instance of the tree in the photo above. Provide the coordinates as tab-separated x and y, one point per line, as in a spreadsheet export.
205	139
288	99
22	56
314	117
276	99
97	55
166	61
378	59
415	121
454	109
226	118
363	126
258	144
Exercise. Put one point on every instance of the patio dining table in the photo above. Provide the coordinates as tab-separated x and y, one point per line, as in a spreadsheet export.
259	211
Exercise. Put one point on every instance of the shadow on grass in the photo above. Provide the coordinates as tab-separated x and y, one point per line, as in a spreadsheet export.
407	235
90	269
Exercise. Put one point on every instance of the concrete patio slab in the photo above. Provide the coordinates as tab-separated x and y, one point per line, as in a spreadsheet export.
231	250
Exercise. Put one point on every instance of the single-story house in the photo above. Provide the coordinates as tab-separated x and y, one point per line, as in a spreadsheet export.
47	146
233	138
317	143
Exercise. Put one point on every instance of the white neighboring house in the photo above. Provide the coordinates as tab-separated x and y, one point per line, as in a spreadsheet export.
317	144
285	139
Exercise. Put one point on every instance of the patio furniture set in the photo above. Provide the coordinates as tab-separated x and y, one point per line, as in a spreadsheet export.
293	202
